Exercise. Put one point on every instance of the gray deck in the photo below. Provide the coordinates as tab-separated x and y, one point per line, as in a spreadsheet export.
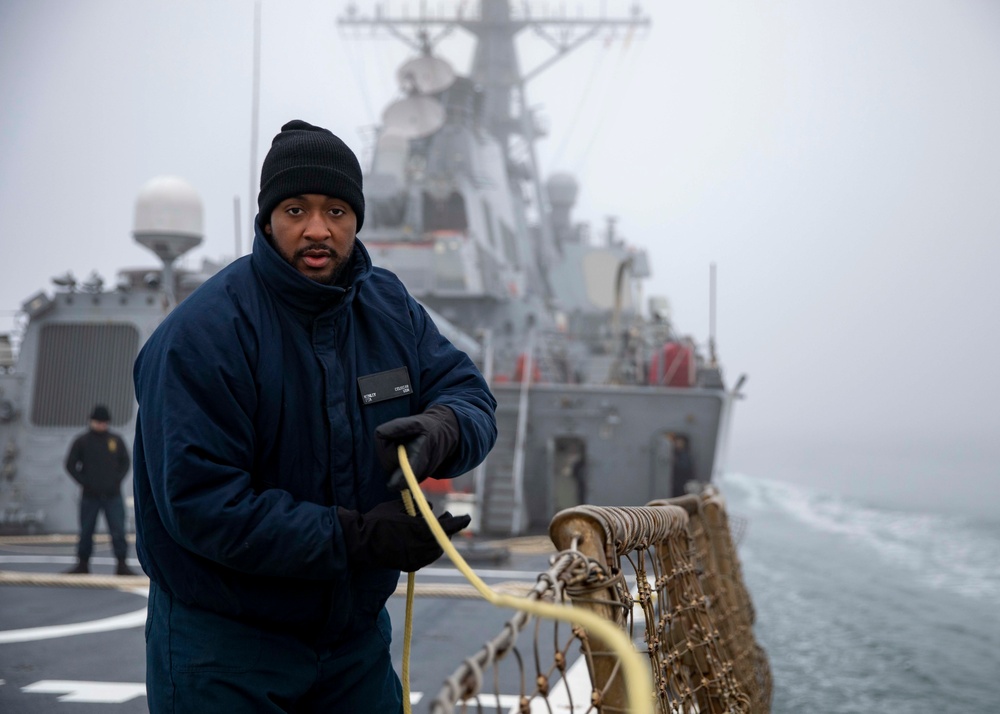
62	670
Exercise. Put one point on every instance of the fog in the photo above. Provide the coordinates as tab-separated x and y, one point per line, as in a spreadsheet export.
838	161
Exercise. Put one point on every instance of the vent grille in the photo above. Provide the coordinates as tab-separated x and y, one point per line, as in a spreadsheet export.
80	366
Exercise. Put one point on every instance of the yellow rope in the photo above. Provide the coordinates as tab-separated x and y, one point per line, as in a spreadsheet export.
408	627
638	680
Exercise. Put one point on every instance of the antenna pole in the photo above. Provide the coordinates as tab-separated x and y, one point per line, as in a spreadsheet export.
236	225
711	314
254	123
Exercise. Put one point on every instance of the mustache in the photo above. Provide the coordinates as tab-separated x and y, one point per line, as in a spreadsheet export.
314	250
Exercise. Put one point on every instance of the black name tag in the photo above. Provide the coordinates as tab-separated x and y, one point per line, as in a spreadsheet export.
385	385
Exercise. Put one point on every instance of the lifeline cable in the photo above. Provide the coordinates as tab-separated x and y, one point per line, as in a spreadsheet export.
638	680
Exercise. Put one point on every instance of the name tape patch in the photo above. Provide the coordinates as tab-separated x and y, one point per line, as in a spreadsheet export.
385	385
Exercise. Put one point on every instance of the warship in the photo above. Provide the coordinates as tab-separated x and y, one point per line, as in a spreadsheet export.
601	400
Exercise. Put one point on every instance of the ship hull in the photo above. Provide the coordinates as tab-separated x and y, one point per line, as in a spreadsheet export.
598	444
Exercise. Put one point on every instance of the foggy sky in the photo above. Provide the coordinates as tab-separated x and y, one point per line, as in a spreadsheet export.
839	162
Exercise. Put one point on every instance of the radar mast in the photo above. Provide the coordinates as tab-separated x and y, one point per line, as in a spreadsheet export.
495	66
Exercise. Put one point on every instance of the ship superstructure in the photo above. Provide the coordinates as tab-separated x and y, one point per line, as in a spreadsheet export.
601	401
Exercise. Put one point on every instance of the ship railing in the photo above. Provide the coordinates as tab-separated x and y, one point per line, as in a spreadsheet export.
521	438
668	575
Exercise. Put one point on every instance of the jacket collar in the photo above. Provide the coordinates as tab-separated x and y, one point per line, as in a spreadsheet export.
296	290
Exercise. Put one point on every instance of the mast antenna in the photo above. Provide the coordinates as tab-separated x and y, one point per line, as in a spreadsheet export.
711	315
236	226
254	122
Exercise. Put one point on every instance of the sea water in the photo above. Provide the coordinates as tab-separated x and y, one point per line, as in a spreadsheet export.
865	609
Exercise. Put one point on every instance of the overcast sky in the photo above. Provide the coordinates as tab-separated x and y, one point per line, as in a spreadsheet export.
839	161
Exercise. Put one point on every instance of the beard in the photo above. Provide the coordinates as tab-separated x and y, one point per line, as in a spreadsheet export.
333	272
339	270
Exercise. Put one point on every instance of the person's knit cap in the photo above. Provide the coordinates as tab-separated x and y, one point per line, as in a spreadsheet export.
309	159
100	413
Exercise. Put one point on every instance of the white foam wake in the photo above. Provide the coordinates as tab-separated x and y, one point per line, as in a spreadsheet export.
944	552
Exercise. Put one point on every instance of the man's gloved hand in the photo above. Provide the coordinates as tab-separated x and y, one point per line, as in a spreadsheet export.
388	537
430	438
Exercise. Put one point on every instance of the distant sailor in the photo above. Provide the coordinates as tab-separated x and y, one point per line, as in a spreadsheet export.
271	403
99	461
683	471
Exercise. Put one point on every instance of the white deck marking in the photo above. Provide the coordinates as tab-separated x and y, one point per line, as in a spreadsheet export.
90	692
60	559
120	692
118	622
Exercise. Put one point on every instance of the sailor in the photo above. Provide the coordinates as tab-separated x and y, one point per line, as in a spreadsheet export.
99	461
271	404
683	470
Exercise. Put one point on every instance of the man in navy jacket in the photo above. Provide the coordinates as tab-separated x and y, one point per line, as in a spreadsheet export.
271	404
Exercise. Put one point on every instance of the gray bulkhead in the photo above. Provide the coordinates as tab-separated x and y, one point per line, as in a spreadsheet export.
608	445
77	351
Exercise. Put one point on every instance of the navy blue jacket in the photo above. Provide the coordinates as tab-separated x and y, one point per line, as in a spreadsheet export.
251	432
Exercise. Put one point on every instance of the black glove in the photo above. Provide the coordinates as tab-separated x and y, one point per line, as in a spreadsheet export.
430	438
389	537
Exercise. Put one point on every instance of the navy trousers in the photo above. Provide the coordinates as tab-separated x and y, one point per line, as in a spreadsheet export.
199	661
114	514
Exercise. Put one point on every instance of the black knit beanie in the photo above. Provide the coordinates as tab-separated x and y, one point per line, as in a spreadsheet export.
309	159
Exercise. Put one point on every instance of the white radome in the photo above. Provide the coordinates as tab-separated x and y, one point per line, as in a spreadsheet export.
168	217
168	205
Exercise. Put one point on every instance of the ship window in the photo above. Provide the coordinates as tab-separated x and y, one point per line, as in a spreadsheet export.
80	366
445	215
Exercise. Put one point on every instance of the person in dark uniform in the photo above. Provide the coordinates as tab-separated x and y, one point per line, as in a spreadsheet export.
271	405
99	461
683	471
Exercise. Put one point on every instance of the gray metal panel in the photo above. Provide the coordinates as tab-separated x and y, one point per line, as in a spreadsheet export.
80	365
621	427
